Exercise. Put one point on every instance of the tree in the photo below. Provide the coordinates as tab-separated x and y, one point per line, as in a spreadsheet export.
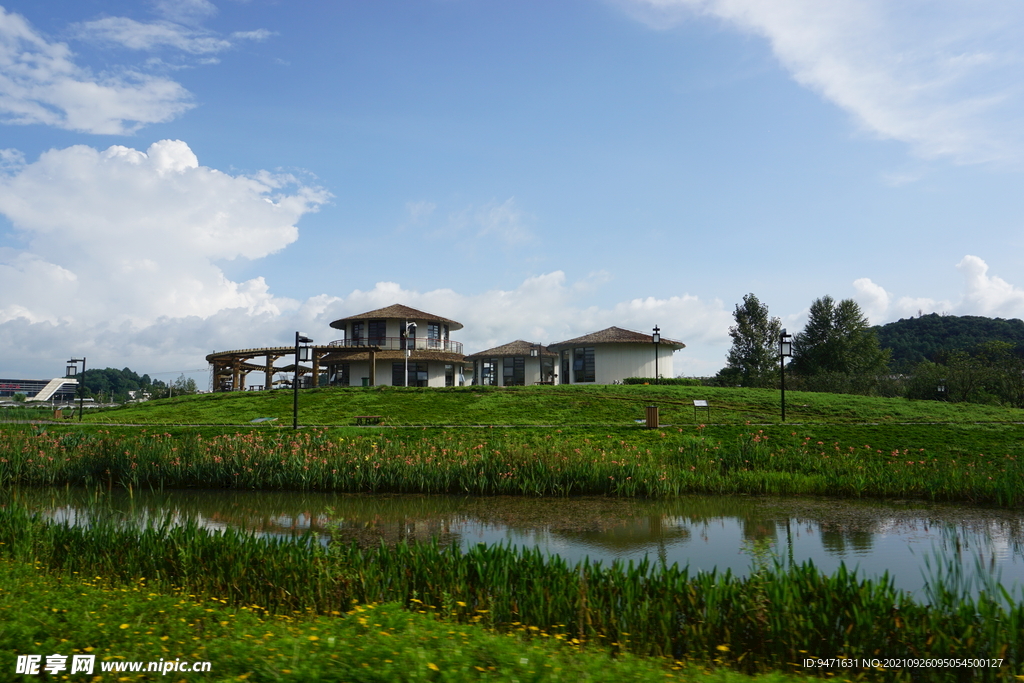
838	340
754	356
185	385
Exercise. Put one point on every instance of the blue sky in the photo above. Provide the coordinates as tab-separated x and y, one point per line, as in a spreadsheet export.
183	176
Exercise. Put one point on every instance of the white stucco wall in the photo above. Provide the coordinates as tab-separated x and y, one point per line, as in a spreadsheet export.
616	362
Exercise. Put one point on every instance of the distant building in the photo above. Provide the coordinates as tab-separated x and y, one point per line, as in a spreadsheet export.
59	389
612	355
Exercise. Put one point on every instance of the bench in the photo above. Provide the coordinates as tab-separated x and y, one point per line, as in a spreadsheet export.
369	419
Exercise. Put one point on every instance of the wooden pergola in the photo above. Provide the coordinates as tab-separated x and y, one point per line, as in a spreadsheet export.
231	368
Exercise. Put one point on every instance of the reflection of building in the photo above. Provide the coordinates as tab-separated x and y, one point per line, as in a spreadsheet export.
515	364
612	355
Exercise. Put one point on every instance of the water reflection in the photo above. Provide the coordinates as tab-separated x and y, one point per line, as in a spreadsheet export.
706	532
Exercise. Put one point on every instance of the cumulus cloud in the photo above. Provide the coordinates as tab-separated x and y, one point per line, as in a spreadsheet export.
548	308
125	236
943	76
983	294
41	84
545	308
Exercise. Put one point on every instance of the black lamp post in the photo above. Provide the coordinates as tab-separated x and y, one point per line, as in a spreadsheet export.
410	330
301	353
785	351
73	370
656	338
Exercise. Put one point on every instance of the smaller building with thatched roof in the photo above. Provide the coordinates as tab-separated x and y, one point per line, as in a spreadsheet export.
515	364
612	355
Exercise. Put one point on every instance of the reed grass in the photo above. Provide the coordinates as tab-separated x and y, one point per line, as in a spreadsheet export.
496	462
769	620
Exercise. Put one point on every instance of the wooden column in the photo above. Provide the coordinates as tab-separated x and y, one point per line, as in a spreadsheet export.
373	368
315	382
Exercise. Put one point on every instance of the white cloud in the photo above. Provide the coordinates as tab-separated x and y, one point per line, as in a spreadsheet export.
125	237
185	11
942	76
504	221
137	35
983	295
41	84
547	309
873	299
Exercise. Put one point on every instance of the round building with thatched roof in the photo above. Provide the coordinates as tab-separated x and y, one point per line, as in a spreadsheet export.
397	346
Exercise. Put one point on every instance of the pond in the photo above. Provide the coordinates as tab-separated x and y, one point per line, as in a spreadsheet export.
705	532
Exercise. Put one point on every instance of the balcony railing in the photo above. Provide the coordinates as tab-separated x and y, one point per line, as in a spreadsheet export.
400	344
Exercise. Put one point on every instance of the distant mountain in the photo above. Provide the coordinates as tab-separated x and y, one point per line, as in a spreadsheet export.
927	337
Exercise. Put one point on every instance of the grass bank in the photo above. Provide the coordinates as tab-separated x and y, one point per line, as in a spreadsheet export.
768	621
46	613
543	405
980	464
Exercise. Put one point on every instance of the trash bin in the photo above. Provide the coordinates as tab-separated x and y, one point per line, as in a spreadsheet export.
652	417
366	381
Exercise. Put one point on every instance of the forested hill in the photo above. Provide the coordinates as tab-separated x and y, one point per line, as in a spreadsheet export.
914	340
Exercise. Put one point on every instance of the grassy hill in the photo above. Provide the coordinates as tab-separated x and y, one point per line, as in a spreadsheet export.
545	405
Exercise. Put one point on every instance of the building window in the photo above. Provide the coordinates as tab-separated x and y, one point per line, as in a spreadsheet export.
377	332
449	375
434	336
583	365
547	374
417	374
358	330
340	376
489	372
514	371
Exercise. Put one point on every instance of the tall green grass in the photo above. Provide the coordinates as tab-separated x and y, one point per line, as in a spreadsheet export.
770	620
664	463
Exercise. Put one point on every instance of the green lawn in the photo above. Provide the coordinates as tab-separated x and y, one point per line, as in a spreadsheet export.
544	405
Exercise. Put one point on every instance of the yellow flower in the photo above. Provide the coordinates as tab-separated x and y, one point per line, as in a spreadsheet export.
723	648
124	625
433	666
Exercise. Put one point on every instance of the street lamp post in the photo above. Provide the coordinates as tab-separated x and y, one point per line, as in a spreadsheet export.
535	353
785	351
410	329
301	354
73	370
656	338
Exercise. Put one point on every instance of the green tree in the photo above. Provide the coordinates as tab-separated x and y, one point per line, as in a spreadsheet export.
753	359
838	341
185	385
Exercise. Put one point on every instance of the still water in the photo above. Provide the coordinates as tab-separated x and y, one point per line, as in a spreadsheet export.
705	532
